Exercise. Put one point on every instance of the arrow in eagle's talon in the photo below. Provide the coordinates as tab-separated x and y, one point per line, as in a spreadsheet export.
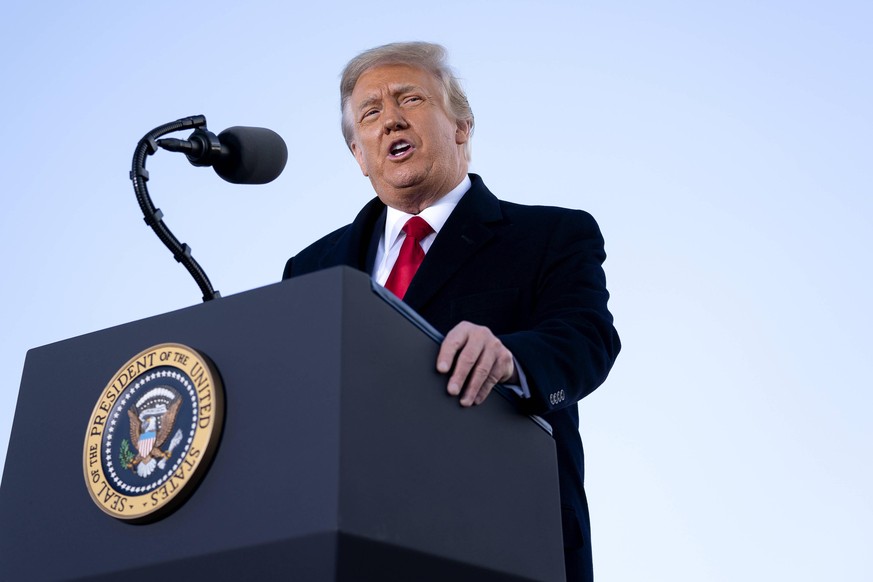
177	438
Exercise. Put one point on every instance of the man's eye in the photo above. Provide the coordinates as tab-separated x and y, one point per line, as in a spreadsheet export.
370	113
412	99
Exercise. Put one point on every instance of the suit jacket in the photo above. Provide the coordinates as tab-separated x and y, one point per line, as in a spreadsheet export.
533	275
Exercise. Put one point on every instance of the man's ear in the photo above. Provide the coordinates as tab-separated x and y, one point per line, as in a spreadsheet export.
462	133
359	156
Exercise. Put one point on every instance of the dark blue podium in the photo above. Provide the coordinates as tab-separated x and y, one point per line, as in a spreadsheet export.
342	457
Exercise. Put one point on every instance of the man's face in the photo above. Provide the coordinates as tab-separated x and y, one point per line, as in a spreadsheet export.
405	142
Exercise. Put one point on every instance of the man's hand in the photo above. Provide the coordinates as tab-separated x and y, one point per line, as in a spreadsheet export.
480	359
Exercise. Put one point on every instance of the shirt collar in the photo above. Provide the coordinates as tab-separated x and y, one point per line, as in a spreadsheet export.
436	214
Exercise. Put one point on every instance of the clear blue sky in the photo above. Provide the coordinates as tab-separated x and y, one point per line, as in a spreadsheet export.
724	147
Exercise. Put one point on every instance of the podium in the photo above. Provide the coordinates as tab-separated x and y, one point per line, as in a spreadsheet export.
341	458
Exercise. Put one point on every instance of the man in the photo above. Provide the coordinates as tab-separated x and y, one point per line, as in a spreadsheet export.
518	290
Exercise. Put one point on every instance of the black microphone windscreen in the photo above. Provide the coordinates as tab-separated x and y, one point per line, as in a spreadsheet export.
255	155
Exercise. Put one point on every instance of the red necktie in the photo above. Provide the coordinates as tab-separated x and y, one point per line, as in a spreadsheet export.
410	257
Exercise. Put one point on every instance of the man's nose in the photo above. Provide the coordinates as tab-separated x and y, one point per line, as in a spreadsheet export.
393	119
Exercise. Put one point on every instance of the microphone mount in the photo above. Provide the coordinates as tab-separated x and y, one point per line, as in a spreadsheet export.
153	216
203	148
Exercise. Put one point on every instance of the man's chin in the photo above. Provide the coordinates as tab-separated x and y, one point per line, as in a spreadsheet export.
399	185
405	178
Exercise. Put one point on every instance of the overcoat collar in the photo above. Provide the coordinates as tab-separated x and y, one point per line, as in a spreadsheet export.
356	245
468	229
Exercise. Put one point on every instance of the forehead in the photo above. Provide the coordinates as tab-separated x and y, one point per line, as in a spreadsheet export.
393	79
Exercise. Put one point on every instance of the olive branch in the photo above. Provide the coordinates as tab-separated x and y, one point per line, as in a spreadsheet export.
125	455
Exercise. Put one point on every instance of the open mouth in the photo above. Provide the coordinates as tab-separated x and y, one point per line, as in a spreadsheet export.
399	148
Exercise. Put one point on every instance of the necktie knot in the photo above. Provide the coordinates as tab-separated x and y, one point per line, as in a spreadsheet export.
417	228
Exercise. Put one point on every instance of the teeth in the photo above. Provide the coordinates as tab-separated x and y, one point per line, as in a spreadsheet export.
400	147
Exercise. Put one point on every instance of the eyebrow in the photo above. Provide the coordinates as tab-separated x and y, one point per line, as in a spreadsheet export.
367	102
405	89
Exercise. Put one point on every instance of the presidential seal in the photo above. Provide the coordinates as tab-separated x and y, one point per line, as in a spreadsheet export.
153	432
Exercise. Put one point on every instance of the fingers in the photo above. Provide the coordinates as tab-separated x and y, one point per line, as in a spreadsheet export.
480	361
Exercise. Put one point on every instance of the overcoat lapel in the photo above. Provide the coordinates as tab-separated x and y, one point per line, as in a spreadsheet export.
356	246
466	232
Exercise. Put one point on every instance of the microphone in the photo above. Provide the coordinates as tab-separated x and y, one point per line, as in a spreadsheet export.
240	155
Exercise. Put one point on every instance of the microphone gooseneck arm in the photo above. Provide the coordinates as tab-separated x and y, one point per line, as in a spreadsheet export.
147	146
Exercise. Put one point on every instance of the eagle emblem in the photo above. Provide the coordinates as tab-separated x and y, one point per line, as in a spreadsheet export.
151	422
153	432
